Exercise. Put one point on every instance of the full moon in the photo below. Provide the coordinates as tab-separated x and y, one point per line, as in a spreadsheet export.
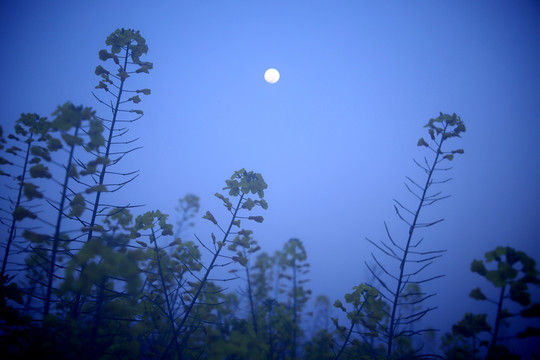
271	76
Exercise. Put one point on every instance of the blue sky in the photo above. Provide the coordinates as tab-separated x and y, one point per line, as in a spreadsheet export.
335	137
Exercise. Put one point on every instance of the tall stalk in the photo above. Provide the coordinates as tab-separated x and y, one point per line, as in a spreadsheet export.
251	300
131	45
170	312
240	184
68	116
440	129
32	128
17	204
127	46
294	257
56	237
366	313
200	287
412	228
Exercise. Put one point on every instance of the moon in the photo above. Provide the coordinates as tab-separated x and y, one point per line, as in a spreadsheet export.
271	76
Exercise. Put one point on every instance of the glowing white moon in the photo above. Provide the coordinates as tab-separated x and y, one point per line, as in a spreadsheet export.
271	76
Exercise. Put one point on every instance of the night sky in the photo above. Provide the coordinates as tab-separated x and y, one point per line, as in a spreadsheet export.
334	138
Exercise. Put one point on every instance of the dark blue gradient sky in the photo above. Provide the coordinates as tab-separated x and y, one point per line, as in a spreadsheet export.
335	137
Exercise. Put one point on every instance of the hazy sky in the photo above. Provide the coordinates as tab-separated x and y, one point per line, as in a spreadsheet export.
335	137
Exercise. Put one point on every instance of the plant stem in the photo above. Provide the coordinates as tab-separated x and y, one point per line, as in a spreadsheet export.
57	229
17	203
349	332
393	322
108	148
497	323
103	170
294	310
169	308
250	297
203	281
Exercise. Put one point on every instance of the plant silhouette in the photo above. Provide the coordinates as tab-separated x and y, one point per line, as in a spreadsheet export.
87	278
513	273
440	130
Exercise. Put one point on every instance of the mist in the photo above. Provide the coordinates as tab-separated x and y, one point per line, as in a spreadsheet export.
337	142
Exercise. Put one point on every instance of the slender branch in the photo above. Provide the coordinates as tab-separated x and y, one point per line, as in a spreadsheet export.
393	324
19	196
58	226
203	282
164	287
